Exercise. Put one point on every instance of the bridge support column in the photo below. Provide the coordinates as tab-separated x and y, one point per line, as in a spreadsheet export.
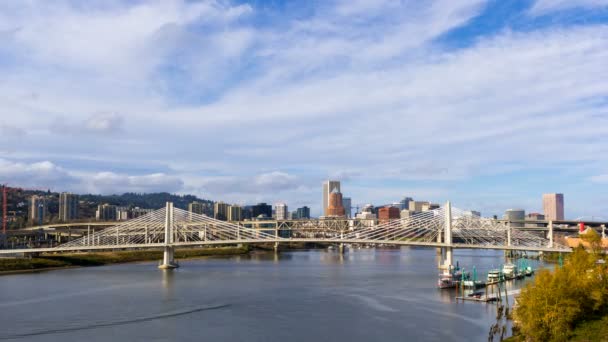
169	252
448	236
550	234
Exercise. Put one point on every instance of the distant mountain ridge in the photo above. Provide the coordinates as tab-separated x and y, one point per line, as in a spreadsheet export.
147	200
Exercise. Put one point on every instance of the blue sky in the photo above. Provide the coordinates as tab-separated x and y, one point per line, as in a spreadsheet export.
484	103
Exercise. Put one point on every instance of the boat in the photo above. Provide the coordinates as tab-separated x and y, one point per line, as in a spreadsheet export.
495	276
446	281
509	271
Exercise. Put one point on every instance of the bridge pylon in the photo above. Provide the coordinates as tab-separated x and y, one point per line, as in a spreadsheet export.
169	251
447	236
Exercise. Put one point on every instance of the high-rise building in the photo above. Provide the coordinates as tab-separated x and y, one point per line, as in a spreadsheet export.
68	207
261	209
38	209
347	204
235	213
106	212
389	213
328	187
123	213
196	208
334	206
220	211
303	213
137	212
281	211
553	206
418	206
405	203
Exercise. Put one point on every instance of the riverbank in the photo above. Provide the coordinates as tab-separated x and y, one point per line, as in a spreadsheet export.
593	330
55	261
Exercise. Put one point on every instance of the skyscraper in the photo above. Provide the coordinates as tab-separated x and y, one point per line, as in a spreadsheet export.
553	206
68	207
196	207
346	203
328	187
304	212
220	211
235	213
335	207
281	211
38	209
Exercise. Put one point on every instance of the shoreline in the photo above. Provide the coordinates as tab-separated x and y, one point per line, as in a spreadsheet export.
51	262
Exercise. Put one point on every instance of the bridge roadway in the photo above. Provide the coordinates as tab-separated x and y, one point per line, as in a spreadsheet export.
277	240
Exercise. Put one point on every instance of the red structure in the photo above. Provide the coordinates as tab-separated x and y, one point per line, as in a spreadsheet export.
386	214
581	227
335	207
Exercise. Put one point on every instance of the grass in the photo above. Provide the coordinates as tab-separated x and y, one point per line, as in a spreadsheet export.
46	261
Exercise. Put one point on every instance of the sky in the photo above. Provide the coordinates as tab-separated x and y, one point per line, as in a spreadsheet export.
487	104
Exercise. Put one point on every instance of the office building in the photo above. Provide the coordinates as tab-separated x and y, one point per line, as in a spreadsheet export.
123	213
261	209
334	206
418	206
137	212
303	213
553	207
220	211
346	203
388	213
68	207
281	212
535	217
235	213
328	187
38	209
517	215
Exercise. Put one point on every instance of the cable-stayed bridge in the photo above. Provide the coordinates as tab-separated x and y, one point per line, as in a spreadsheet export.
446	227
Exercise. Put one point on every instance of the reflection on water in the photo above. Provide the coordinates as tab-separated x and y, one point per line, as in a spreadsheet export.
361	295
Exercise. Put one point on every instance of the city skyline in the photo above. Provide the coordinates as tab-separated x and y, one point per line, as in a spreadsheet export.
245	103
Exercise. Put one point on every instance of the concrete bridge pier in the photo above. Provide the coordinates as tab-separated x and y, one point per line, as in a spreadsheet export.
169	252
168	259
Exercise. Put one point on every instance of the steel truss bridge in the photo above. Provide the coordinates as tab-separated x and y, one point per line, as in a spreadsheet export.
445	227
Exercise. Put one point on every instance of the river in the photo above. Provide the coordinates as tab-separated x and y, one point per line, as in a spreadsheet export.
314	295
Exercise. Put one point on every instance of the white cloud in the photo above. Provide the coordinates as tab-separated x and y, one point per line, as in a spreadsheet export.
43	175
542	7
599	178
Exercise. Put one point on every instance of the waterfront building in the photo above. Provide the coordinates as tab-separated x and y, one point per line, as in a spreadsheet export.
220	211
369	219
281	211
303	212
347	204
38	209
553	206
68	207
388	213
235	213
515	215
328	187
334	206
106	212
261	209
405	213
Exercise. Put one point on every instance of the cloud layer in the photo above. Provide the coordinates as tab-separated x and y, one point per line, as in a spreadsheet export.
241	102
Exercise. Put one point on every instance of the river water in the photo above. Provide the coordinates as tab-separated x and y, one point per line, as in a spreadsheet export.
315	295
